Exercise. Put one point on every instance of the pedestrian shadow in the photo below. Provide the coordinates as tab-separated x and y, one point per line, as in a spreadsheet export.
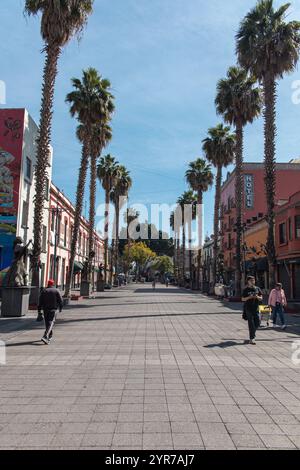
25	343
225	344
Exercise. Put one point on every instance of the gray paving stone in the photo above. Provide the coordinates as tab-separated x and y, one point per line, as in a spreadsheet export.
157	440
148	381
277	441
97	440
185	441
247	441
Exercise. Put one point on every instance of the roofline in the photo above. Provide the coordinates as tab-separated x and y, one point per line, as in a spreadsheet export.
258	165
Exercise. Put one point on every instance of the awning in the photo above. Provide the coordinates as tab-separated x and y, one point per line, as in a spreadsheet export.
77	267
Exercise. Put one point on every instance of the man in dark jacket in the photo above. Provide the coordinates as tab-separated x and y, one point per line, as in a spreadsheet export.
50	301
251	297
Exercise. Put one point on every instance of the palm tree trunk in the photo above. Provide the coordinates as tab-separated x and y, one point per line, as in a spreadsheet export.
199	202
78	211
238	203
43	155
216	221
190	252
178	257
106	234
270	169
183	254
117	236
93	185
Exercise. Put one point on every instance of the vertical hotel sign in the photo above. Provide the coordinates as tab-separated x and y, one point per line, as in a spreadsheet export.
249	192
11	143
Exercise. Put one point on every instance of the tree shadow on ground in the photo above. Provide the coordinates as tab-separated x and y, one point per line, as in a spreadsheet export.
161	290
126	317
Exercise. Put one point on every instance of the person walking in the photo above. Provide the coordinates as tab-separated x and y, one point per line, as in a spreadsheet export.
251	297
167	282
50	300
154	284
277	301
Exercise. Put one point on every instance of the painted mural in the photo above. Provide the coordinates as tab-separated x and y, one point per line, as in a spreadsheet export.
11	144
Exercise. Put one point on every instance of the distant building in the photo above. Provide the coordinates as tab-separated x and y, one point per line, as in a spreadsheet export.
207	264
254	203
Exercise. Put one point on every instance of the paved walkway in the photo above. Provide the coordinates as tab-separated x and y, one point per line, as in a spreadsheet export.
147	370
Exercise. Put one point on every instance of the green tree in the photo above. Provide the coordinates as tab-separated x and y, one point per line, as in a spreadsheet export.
219	148
200	178
164	265
108	173
268	47
138	252
61	20
87	105
239	101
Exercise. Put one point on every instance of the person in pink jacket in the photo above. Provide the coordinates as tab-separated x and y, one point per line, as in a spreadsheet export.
277	300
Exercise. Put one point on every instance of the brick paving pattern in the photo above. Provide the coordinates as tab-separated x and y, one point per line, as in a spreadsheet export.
136	369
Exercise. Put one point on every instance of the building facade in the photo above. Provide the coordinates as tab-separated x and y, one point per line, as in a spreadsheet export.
287	240
18	134
61	221
254	206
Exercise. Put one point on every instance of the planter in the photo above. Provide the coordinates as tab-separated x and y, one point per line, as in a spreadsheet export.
100	286
15	301
85	289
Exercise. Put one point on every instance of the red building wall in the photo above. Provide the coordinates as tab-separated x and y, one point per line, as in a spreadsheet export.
288	182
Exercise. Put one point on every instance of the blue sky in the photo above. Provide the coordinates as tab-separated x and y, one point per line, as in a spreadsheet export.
163	58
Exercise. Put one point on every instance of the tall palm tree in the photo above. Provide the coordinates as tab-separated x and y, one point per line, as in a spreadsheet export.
239	101
219	148
119	191
187	201
268	47
86	104
101	136
60	21
107	172
200	178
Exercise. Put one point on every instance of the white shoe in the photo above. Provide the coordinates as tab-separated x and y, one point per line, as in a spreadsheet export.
283	327
274	325
252	341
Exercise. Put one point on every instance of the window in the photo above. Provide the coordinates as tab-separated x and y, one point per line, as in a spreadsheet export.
65	232
282	233
58	227
25	214
297	226
52	220
28	169
290	229
44	239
